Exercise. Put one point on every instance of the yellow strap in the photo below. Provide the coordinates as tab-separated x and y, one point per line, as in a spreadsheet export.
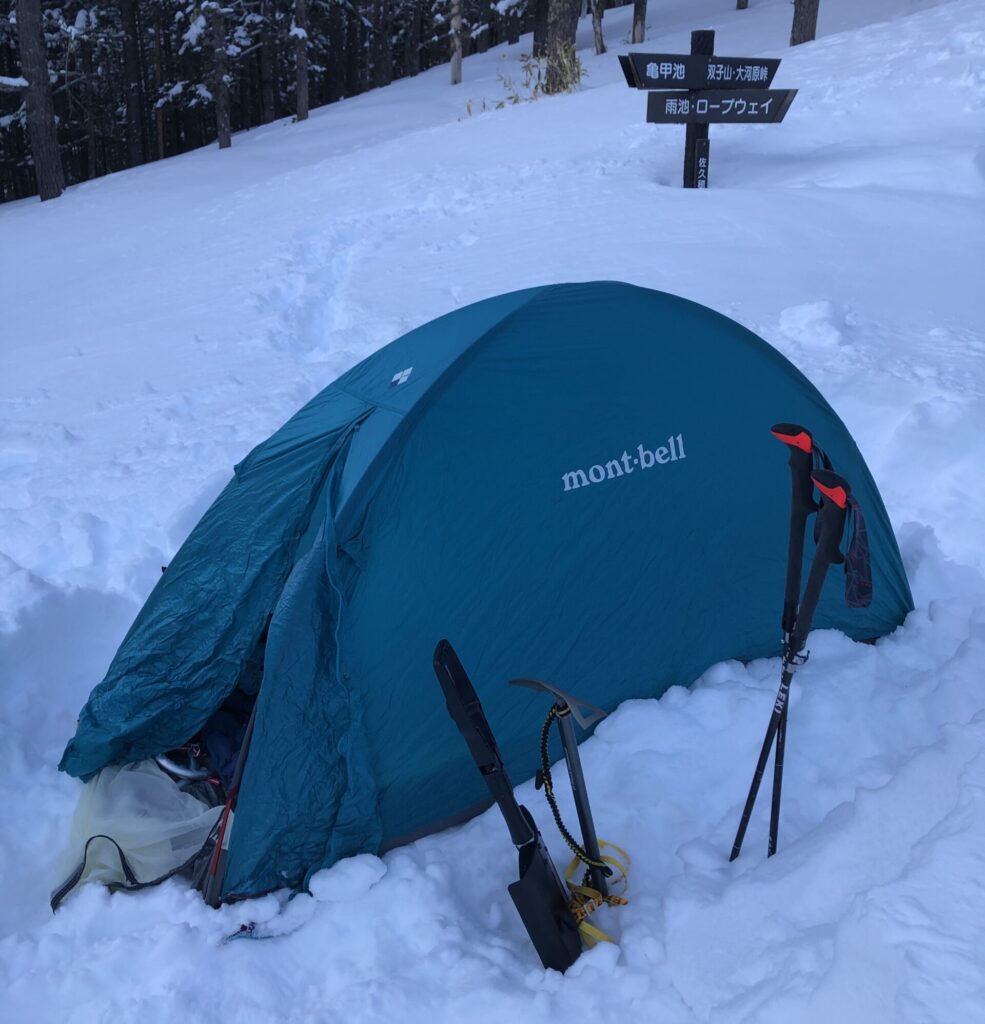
591	935
585	900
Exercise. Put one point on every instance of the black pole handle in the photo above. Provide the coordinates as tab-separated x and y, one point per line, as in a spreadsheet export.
836	491
800	444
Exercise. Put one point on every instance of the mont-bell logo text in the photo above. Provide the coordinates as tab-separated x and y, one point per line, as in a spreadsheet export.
629	462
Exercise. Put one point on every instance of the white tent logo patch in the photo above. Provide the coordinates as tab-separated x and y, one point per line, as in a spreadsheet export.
402	377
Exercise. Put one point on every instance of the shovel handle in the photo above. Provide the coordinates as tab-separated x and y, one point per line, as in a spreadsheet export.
466	712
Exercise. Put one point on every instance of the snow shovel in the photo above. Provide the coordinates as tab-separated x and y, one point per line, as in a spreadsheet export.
539	895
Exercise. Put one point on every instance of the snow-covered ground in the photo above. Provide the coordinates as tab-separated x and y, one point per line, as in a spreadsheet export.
156	324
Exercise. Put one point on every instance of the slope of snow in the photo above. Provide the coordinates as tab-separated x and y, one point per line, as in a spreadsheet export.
158	323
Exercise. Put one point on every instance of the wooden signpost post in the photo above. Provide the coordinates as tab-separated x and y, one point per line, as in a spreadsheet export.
699	89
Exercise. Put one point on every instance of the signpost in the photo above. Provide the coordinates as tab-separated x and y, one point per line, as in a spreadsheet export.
700	88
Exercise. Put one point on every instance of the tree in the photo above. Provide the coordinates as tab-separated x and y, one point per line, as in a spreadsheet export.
562	63
133	85
299	30
804	26
540	27
455	39
597	10
639	21
220	80
36	86
267	62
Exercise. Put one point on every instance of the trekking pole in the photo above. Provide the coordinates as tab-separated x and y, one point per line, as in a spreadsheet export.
800	445
831	525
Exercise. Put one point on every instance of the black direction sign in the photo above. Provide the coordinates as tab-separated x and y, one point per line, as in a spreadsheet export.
690	71
719	106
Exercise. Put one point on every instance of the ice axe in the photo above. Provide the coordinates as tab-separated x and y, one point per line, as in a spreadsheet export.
565	708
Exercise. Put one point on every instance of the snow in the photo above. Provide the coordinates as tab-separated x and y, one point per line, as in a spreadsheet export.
12	83
159	322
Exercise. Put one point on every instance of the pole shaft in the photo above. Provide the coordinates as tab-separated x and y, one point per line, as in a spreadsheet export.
764	753
781	743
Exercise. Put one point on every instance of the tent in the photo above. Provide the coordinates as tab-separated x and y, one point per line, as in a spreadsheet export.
574	482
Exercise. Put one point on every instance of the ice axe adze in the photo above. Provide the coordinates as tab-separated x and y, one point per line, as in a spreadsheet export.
538	894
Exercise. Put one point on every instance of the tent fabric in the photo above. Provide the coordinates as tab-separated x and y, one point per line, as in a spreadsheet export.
573	482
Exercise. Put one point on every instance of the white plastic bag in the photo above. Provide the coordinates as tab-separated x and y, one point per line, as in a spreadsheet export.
156	825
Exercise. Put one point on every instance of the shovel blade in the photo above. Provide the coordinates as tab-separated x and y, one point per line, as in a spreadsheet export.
542	903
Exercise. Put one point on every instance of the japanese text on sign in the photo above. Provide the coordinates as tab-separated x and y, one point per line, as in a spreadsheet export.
665	69
739	107
741	73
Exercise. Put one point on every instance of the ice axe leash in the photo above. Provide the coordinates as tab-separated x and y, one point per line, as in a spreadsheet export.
836	492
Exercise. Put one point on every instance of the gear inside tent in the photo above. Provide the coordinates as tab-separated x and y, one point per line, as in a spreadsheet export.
575	483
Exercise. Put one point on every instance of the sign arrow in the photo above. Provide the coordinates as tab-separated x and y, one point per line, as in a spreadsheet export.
692	71
719	106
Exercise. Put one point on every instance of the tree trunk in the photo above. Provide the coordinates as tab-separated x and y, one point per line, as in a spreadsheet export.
41	130
513	20
455	40
159	82
353	52
220	86
268	109
132	85
597	10
89	102
639	21
741	5
562	26
336	38
804	26
540	27
383	50
412	41
300	33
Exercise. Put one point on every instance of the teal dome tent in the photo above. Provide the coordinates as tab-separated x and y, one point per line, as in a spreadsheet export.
574	483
